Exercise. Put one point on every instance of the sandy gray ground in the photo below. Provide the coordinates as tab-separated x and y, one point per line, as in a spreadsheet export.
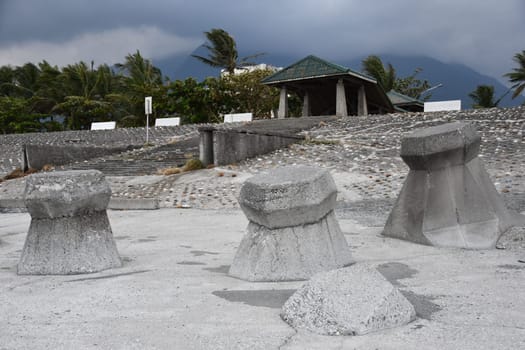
173	291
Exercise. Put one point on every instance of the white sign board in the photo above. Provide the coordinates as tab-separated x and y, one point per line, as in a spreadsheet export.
238	117
167	121
452	105
148	102
103	125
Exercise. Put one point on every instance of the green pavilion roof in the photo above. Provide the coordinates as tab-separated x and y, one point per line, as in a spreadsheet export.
312	67
399	99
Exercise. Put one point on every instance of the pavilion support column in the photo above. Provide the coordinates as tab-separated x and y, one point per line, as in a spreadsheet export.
283	104
340	97
306	105
362	107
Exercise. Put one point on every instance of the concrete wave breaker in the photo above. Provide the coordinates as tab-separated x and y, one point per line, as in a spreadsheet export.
293	232
448	199
70	231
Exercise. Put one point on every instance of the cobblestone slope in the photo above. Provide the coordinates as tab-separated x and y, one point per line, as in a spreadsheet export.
11	145
361	152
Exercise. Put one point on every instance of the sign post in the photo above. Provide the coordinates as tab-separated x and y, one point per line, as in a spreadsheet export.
148	102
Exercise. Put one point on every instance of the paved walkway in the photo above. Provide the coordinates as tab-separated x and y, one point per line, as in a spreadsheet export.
173	292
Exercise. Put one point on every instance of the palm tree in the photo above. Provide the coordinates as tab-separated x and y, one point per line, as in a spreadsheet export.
7	77
23	80
483	97
82	105
223	51
50	91
139	72
141	79
517	76
386	77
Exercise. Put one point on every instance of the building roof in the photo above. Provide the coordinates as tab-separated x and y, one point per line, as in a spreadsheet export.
312	67
404	103
398	98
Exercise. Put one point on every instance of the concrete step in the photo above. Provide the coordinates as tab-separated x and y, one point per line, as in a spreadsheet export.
144	161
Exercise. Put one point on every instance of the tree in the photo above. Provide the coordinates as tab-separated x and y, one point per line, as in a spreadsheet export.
223	51
7	77
412	86
373	66
82	105
386	77
50	89
483	97
21	81
191	100
517	76
141	78
15	116
246	93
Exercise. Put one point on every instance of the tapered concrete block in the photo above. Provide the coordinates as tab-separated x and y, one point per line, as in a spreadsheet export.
288	196
66	193
350	301
70	231
293	232
448	199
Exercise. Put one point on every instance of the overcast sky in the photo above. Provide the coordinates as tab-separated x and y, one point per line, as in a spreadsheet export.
483	34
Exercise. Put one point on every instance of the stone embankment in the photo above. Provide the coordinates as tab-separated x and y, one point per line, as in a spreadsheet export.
362	154
12	144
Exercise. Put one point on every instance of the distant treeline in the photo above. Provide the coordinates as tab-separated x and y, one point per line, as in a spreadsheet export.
42	97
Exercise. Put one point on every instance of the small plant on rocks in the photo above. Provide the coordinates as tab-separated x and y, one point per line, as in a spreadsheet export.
171	171
48	167
17	173
193	164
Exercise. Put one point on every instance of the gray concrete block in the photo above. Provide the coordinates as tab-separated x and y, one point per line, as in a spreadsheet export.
288	196
69	245
351	301
134	204
70	231
66	193
447	199
440	146
293	232
290	253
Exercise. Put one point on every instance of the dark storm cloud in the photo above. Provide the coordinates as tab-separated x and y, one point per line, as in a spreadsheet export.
482	34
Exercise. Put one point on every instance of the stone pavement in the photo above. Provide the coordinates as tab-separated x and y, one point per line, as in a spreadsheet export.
173	291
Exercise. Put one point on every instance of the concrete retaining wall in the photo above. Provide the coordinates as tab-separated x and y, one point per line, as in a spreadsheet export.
12	145
231	146
36	156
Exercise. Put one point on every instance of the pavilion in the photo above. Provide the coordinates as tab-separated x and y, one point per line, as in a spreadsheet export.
404	103
329	89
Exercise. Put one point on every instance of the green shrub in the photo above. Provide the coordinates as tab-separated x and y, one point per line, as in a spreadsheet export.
193	164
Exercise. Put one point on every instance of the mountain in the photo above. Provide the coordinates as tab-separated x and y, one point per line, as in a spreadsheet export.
458	80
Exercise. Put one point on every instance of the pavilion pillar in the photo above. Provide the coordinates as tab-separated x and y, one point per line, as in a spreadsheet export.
283	104
362	107
306	105
340	97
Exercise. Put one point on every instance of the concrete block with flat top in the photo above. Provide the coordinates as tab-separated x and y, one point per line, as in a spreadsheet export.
70	231
293	232
448	199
